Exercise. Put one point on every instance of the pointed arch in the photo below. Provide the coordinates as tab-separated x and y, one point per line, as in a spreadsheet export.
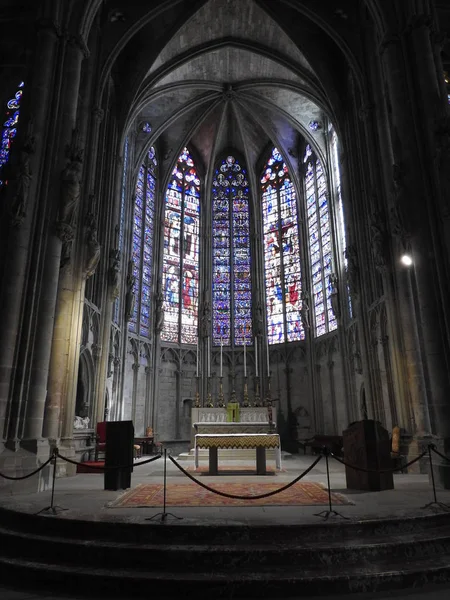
319	243
142	244
180	278
281	252
231	287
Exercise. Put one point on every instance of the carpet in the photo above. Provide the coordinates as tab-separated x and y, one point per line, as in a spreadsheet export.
190	494
239	470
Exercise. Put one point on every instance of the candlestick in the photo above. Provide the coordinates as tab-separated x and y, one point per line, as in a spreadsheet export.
268	361
221	351
256	355
197	357
245	361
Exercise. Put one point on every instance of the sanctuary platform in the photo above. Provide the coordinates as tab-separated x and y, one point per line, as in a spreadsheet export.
386	542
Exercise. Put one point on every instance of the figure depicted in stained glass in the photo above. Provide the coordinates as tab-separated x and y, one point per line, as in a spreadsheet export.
181	253
281	252
232	318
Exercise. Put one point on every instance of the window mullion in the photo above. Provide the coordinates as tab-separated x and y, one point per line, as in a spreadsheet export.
322	264
180	283
282	279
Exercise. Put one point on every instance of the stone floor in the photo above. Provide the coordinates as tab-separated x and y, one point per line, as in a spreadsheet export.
84	498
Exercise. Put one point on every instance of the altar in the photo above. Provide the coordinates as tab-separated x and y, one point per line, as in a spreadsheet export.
258	441
235	430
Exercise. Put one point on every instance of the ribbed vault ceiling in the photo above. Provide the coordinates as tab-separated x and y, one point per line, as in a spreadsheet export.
229	78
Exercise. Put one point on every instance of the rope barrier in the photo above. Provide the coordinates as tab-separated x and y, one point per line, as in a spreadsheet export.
378	470
259	496
29	474
95	467
433	448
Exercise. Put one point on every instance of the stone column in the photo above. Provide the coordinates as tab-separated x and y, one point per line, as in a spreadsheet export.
416	220
16	258
46	317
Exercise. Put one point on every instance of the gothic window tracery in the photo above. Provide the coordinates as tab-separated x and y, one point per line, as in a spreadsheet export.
232	322
142	244
320	243
180	278
281	253
9	129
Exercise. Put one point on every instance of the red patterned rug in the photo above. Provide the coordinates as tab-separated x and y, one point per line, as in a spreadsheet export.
190	494
240	470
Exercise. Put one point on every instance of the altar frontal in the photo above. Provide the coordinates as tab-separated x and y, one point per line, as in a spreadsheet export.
259	441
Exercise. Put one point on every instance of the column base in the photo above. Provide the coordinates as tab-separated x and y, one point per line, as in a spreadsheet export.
412	447
66	448
22	461
441	467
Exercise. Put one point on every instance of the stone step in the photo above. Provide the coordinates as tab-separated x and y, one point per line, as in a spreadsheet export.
115	558
279	582
198	557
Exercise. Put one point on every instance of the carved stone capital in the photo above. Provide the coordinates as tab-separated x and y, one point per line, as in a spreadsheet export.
77	41
390	39
65	232
98	113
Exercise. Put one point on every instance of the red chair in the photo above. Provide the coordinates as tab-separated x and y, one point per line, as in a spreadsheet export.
100	442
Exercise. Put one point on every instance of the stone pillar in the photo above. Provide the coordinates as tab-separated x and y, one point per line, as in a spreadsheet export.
16	258
46	314
416	216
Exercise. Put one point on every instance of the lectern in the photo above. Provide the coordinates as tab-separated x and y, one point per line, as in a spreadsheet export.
119	453
367	445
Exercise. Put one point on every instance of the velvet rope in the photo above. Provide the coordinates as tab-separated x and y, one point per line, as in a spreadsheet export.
266	495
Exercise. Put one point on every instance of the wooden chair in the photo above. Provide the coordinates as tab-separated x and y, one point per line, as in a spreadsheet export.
100	439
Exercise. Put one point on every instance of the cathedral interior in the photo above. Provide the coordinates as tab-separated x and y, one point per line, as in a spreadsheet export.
215	200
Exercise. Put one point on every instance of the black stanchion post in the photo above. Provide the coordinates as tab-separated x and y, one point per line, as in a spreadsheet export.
435	502
164	514
52	509
325	514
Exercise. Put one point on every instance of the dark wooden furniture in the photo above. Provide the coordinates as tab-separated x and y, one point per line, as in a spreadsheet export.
100	439
320	441
146	444
367	445
119	453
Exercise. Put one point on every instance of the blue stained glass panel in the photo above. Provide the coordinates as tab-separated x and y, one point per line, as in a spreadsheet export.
142	244
232	319
9	129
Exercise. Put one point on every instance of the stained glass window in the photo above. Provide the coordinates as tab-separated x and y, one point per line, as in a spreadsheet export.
320	245
232	319
181	253
142	244
10	127
281	253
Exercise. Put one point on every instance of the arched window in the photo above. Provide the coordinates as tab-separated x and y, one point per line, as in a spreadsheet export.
144	215
281	253
181	253
232	319
10	128
320	246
